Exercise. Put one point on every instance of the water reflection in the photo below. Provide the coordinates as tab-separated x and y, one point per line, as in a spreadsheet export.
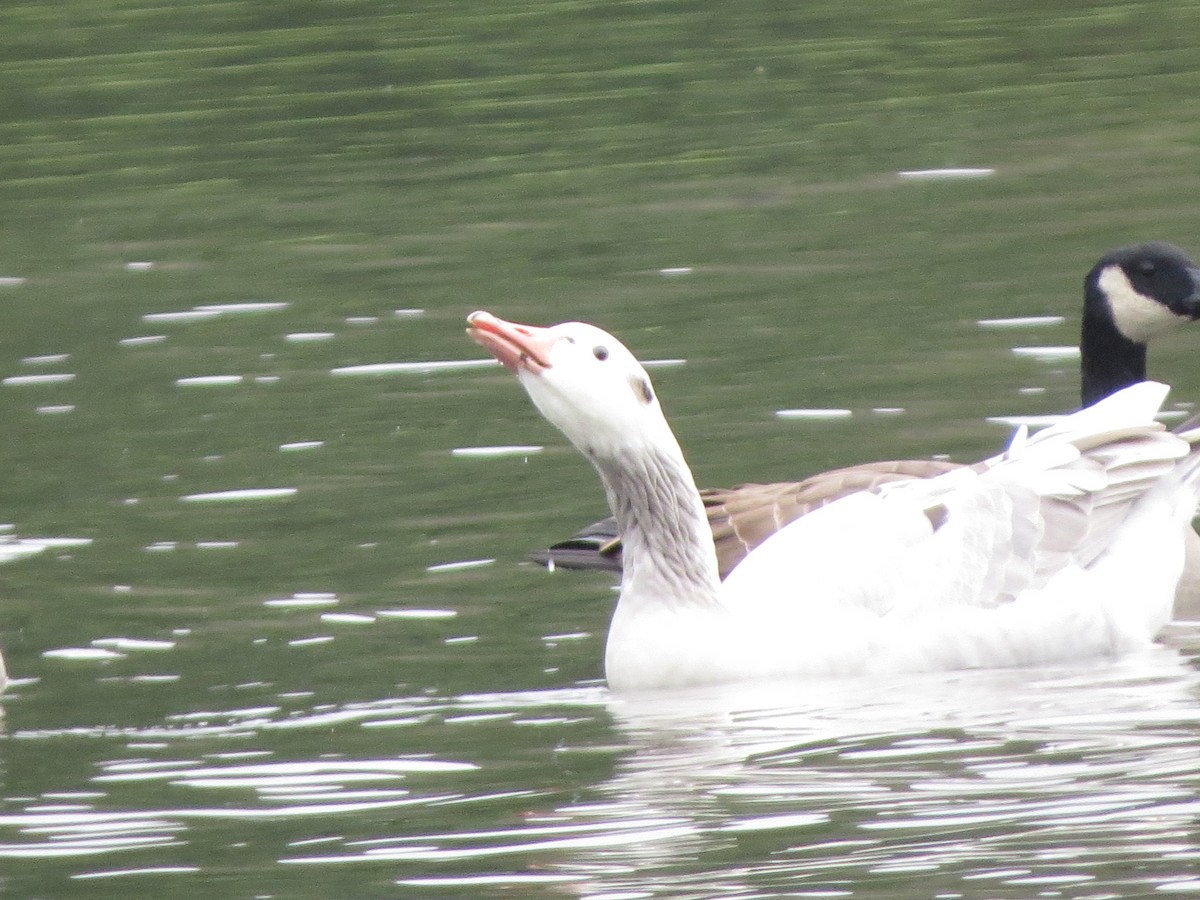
13	547
210	311
1062	778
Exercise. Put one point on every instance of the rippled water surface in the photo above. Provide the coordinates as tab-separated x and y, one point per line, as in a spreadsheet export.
264	598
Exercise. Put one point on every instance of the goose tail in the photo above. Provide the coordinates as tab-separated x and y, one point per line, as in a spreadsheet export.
1155	554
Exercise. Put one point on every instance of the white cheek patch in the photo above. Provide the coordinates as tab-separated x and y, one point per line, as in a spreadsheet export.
1136	316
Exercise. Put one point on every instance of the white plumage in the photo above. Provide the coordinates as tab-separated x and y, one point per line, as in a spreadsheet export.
1068	544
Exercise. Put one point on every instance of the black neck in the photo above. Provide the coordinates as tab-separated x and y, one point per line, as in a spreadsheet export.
1109	360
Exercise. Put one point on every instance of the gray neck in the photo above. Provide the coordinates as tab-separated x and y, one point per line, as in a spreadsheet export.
667	551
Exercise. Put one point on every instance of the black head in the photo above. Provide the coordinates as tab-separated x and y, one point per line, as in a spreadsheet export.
1144	290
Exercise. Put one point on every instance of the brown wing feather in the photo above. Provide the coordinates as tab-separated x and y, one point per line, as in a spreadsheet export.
745	516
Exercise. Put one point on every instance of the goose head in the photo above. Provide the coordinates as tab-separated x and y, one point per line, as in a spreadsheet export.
582	379
1132	296
1144	290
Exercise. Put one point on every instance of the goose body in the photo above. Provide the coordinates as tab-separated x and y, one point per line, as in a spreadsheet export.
1068	544
1132	295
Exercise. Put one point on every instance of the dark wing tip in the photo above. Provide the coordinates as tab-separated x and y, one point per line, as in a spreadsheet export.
598	546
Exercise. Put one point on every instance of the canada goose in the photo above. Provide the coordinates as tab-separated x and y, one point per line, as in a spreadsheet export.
1131	296
1069	544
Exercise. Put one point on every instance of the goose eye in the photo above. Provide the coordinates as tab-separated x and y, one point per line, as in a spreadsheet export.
1146	267
600	352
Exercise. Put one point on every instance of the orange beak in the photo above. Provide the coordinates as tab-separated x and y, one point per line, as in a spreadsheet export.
516	346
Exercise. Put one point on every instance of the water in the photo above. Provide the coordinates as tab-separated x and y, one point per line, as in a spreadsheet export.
265	602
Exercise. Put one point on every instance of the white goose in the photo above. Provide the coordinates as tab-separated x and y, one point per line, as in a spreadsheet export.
1069	544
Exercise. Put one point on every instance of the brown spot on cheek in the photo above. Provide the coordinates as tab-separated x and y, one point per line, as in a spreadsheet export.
641	387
